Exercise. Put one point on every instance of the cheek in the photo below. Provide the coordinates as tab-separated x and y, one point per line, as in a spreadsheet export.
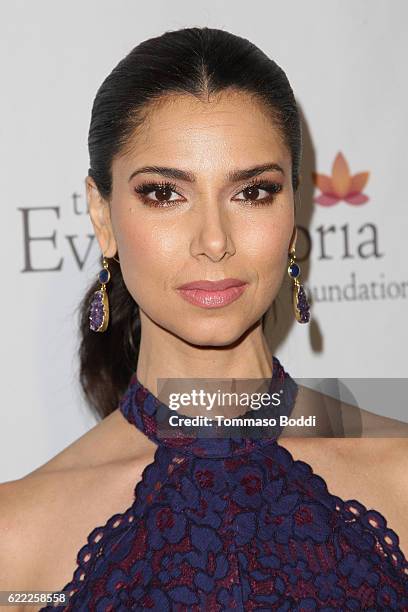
148	256
267	249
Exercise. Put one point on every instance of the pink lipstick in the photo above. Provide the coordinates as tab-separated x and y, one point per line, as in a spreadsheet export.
212	294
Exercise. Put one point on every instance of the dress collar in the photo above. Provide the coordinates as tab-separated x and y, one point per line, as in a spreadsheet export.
151	416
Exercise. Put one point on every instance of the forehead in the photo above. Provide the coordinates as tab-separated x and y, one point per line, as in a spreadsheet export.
231	129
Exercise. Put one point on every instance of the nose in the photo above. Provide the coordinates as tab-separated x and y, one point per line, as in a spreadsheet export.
212	236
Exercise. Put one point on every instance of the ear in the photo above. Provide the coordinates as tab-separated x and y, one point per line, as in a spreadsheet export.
99	211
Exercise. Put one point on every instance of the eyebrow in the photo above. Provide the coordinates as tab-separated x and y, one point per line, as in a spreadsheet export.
184	175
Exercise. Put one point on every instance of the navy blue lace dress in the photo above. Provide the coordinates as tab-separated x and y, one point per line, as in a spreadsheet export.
234	524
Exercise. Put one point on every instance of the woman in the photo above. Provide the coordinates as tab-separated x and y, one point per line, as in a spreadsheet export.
195	147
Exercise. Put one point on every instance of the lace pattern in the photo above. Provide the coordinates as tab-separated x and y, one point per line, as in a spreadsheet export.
242	526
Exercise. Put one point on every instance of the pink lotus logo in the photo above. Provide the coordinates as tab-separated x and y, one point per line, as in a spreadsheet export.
340	185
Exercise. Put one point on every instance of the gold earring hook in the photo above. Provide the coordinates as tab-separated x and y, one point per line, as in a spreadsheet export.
112	258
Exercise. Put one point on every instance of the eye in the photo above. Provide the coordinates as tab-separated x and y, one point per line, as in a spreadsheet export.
162	189
252	191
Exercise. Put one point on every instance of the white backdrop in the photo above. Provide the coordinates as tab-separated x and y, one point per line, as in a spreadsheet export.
345	60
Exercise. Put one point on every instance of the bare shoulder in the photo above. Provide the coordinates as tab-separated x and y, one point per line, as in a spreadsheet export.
378	426
112	440
337	418
363	454
13	562
47	515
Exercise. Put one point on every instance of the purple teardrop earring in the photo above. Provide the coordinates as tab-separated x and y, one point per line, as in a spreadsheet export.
99	308
300	304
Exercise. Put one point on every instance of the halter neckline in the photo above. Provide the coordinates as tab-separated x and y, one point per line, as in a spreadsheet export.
151	416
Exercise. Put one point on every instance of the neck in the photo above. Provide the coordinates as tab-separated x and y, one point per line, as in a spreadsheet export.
164	355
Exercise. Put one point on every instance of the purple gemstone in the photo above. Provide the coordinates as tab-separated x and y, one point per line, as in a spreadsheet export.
303	306
96	311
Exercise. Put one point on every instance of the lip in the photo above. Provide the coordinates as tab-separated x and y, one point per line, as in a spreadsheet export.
213	294
209	285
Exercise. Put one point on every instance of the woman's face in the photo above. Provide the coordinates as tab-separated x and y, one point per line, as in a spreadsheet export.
200	227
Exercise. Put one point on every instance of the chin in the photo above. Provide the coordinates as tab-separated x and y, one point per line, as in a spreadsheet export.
221	333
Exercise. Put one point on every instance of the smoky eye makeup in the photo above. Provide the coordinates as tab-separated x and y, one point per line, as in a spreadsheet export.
165	189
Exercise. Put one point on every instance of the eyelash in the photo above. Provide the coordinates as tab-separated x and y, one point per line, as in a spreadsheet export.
271	187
